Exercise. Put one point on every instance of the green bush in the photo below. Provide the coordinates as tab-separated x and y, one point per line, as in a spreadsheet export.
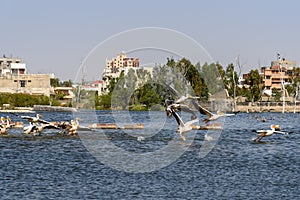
23	100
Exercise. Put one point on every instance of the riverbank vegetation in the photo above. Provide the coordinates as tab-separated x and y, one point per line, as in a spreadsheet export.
22	100
140	90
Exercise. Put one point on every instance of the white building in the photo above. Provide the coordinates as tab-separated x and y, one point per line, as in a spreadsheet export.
14	78
116	66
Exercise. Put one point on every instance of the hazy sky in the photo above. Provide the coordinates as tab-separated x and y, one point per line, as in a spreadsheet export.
55	36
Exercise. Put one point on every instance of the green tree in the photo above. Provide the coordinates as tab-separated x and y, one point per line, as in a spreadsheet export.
254	81
231	79
276	94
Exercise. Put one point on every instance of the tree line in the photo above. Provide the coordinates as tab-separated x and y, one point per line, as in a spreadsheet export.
140	90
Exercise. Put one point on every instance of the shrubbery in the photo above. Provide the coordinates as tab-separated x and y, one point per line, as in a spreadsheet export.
23	100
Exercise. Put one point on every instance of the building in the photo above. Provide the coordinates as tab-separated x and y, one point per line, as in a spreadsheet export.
14	78
274	77
96	86
278	74
116	66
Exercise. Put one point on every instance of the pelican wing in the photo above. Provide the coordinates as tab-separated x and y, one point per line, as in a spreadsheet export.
178	118
185	108
280	132
201	109
173	91
50	126
189	123
261	131
228	114
43	121
27	117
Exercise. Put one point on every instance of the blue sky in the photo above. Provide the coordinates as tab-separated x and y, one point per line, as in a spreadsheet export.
55	36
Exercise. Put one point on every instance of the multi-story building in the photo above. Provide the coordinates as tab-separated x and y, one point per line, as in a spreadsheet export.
278	74
14	78
116	66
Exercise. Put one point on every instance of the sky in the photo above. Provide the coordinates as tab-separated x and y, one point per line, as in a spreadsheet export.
58	36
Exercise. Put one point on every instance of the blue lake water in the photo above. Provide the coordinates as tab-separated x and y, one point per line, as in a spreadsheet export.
52	166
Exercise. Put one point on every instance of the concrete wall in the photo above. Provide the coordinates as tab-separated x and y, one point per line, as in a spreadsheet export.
27	83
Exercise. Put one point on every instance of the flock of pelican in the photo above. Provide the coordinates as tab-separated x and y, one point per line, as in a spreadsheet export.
36	125
178	105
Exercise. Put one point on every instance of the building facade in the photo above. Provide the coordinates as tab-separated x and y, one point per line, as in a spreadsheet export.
278	75
115	67
14	79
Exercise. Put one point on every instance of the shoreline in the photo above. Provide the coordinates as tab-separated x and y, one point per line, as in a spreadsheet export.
238	108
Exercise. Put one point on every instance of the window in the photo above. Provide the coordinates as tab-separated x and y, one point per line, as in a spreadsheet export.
268	77
22	83
29	81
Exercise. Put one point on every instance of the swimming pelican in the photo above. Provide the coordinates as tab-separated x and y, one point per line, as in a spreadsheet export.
64	126
3	120
31	129
41	127
70	128
5	125
140	138
266	133
35	119
183	127
74	127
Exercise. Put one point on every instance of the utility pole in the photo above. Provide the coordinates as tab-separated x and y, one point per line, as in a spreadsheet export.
296	96
282	82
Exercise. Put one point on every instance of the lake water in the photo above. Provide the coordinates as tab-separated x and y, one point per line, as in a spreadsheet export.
52	166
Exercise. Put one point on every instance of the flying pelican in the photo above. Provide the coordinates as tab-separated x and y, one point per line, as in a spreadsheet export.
180	98
176	107
183	127
210	116
266	133
35	119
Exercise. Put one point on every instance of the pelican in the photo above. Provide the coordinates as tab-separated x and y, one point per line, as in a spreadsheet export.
182	107
31	129
35	119
5	125
74	127
2	120
210	116
140	138
180	98
183	127
64	126
41	127
266	133
70	128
